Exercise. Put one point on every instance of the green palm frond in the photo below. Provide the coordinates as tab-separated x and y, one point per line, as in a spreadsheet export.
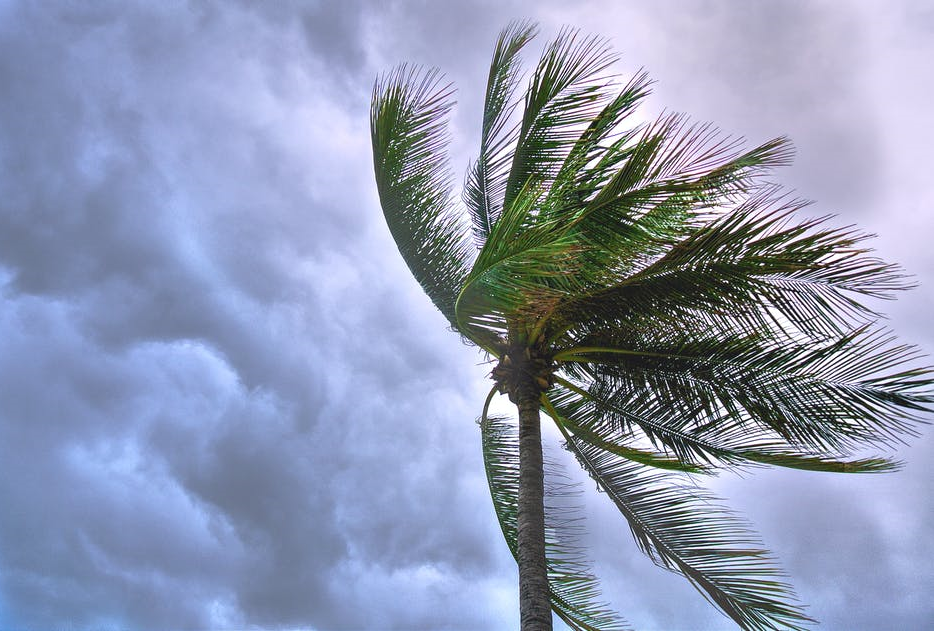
838	396
590	162
566	92
686	530
656	200
517	263
563	251
485	187
676	157
754	267
615	424
670	185
592	431
407	125
575	592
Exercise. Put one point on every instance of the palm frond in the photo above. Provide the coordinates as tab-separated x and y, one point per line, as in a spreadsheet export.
674	156
575	593
754	266
522	269
839	396
589	162
566	92
485	187
631	203
614	442
678	164
686	530
552	233
407	125
616	422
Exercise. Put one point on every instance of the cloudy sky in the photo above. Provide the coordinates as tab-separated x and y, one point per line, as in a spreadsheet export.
224	403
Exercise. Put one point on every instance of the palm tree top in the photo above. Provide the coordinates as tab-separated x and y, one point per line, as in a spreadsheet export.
661	294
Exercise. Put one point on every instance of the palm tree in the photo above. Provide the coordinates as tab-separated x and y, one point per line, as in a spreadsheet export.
653	294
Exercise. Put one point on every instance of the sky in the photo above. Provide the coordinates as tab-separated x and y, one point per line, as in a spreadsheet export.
225	403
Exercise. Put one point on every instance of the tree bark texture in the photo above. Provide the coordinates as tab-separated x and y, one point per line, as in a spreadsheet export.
534	596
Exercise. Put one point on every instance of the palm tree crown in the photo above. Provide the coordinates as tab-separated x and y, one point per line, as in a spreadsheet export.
647	288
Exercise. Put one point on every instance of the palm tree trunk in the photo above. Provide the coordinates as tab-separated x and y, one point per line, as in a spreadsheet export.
534	597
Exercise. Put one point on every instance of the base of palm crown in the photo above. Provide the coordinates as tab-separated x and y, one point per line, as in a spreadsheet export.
523	363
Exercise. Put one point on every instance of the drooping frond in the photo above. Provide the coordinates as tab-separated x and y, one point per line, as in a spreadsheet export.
836	397
686	530
407	125
485	187
592	431
608	421
575	593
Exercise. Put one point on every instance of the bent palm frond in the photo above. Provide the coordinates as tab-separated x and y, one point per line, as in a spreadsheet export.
407	124
566	92
566	413
686	530
753	266
617	423
837	397
485	187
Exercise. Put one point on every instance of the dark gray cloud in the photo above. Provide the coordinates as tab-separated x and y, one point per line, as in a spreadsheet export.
225	403
193	304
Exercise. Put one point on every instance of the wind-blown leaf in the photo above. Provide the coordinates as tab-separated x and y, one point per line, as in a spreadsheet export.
589	163
565	93
407	124
610	441
486	180
687	531
752	264
618	423
839	396
516	277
